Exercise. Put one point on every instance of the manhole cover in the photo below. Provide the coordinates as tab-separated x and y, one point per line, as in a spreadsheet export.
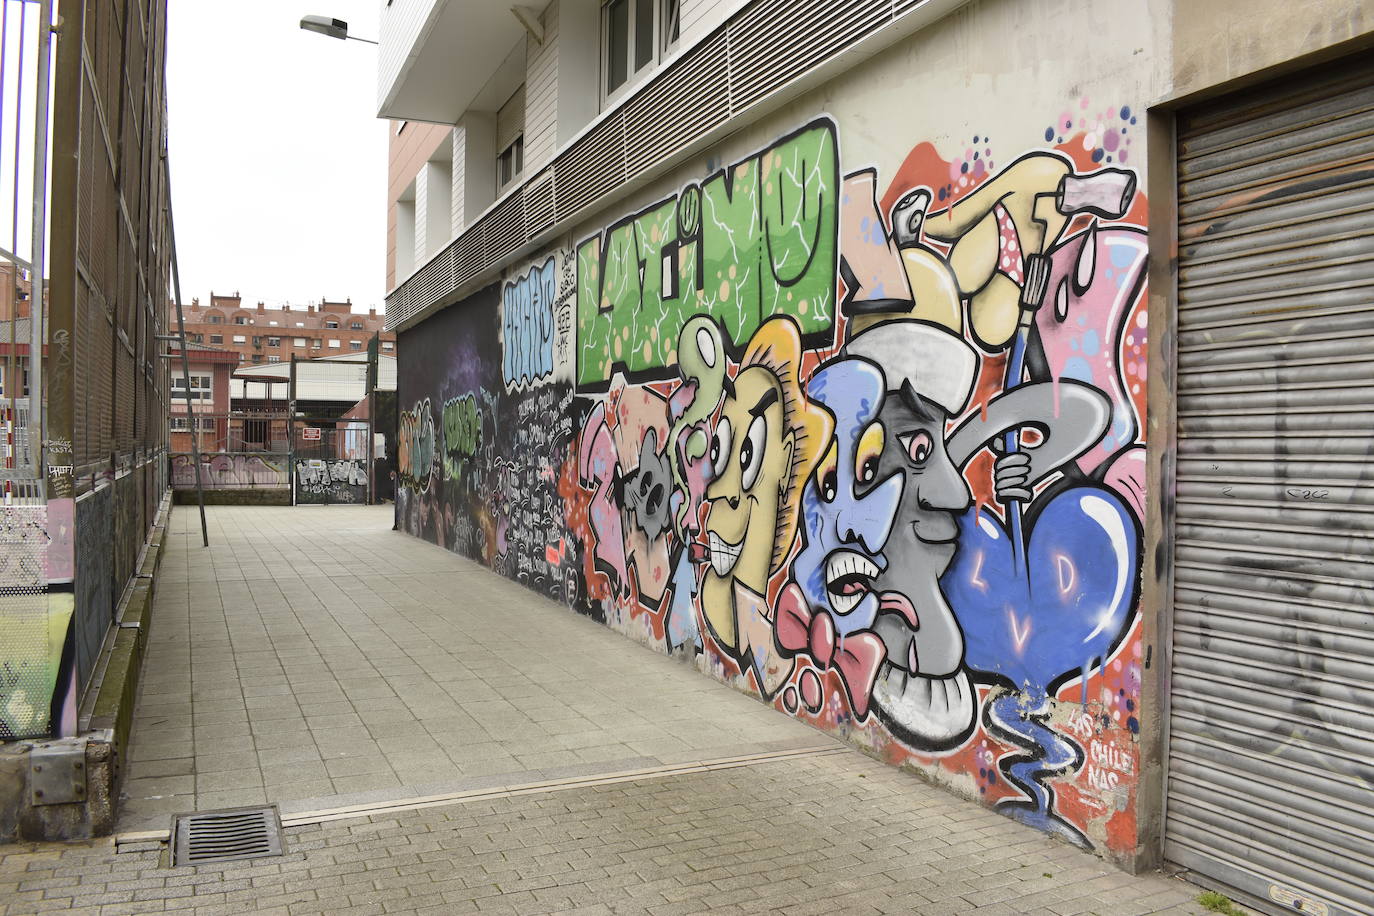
220	836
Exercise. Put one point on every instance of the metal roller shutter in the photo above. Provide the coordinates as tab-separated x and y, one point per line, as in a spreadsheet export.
1271	742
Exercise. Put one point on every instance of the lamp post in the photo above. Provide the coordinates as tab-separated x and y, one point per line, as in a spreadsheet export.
334	28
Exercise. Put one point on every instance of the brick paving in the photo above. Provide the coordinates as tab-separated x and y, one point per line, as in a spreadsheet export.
813	835
313	657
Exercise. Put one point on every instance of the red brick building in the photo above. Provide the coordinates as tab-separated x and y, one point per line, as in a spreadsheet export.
270	335
210	370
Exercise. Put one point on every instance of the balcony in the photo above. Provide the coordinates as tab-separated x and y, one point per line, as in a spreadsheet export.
437	55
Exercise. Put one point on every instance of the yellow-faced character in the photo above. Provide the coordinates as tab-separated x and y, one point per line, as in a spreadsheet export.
762	447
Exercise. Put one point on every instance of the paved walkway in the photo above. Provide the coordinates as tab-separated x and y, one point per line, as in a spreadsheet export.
315	659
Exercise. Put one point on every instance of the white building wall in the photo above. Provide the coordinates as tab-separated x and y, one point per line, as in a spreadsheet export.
579	66
405	239
458	178
439	207
474	168
701	16
541	93
419	247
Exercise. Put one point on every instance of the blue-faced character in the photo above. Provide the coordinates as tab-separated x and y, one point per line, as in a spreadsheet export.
847	512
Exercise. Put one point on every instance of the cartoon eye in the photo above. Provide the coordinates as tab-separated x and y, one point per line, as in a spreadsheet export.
720	446
870	449
751	453
918	446
827	473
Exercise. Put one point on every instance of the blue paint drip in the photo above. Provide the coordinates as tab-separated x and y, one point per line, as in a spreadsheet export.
1048	754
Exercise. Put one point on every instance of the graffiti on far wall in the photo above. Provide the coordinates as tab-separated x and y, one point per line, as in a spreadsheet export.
868	446
331	480
226	472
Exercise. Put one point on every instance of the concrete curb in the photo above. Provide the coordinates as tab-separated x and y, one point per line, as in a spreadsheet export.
90	765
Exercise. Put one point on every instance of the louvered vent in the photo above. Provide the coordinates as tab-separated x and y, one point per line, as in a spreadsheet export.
591	167
503	229
748	59
467	256
222	836
780	40
680	106
539	203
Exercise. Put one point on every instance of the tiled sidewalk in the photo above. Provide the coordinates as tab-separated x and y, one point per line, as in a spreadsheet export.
803	837
313	657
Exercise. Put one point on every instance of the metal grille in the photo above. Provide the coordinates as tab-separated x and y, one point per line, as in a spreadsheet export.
755	56
1271	749
223	836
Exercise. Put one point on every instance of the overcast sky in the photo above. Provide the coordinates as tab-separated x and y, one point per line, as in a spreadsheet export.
278	161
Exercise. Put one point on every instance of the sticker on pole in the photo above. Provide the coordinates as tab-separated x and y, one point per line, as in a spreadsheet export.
310	433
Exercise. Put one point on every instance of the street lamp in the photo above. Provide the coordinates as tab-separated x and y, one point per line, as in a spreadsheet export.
327	25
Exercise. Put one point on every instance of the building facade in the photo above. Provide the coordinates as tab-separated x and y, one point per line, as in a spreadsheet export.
980	382
273	335
209	370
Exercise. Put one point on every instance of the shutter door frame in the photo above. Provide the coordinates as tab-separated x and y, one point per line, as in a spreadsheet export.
1247	721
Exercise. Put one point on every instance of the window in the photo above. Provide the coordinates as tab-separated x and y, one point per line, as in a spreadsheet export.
510	163
180	424
257	341
216	338
240	319
355	345
200	388
196	338
271	324
4	391
239	338
274	341
634	33
331	324
388	345
672	23
299	341
355	326
335	344
216	319
300	324
316	344
274	359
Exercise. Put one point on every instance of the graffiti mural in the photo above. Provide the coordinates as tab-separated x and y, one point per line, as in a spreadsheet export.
321	481
231	472
868	446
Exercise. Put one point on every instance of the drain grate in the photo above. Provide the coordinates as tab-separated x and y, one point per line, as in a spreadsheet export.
222	836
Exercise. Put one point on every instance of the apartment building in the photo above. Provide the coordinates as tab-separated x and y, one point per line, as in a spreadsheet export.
273	335
983	382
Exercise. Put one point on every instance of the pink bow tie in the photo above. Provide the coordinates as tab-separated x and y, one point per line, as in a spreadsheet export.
857	657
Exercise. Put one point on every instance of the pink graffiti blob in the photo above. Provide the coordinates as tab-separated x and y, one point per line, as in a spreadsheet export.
1087	330
596	466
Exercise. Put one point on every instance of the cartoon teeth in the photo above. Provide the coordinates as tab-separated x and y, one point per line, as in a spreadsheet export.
724	555
848	577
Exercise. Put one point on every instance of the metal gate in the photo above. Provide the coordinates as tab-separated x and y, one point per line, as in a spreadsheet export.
329	462
1271	742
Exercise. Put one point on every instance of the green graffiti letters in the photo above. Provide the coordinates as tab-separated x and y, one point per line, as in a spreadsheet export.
755	240
462	434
